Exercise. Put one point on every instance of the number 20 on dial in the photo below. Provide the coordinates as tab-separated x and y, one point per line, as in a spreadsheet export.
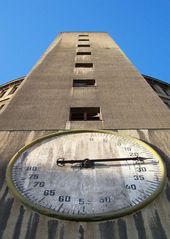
86	175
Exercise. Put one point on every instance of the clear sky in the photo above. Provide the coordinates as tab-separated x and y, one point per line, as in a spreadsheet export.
140	28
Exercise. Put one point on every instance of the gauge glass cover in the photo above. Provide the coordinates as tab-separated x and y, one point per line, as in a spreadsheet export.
77	175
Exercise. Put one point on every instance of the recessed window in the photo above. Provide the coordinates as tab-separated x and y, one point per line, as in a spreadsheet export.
159	89
83	45
84	53
13	89
84	65
2	93
167	91
84	113
83	39
83	35
1	106
84	83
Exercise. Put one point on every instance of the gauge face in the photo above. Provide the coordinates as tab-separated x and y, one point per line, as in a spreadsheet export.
86	175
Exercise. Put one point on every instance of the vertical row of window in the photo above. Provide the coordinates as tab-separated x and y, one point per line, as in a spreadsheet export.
5	94
12	91
84	113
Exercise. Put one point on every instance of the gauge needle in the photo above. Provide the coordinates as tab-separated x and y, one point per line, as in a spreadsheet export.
87	163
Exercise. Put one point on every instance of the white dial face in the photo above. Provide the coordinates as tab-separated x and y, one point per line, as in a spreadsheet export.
86	175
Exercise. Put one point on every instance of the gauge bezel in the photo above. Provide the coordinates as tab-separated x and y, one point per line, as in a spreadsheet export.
103	216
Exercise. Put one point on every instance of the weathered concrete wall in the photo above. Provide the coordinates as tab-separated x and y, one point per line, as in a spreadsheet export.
45	98
19	222
42	104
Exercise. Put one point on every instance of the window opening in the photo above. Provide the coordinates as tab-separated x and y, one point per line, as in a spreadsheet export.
83	35
159	89
1	106
2	93
84	113
86	65
83	45
83	39
84	83
167	91
84	53
13	89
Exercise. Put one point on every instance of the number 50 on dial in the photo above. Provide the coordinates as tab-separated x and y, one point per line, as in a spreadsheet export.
86	175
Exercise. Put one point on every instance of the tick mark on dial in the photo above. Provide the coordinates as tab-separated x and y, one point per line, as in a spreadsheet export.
149	191
41	199
153	182
27	190
133	202
60	207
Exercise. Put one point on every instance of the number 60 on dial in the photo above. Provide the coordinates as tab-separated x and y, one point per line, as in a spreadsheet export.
86	175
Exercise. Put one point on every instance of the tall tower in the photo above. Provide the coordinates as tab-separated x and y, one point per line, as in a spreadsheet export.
83	82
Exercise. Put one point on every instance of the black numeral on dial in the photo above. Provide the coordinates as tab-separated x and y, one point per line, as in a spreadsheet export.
39	184
49	192
64	198
131	186
138	177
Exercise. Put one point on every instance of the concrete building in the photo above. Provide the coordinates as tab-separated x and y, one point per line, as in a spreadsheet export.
84	81
161	88
7	90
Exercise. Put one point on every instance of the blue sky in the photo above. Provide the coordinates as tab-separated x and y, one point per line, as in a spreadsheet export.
140	28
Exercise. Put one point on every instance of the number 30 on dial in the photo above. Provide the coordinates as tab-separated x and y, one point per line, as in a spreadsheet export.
86	175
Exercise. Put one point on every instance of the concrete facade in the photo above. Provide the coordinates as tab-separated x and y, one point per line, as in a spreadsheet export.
42	106
120	91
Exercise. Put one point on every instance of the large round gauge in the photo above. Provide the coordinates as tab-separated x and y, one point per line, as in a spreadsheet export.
86	175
